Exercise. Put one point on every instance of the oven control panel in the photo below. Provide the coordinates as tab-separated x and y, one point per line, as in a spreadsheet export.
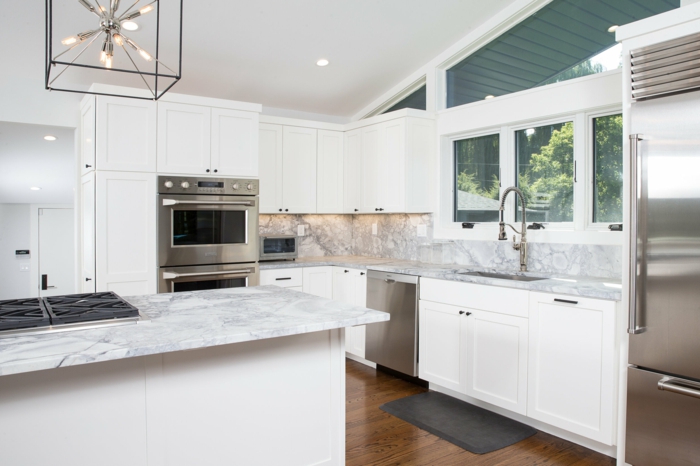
212	186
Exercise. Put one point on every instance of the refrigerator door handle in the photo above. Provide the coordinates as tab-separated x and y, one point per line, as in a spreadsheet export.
680	386
635	191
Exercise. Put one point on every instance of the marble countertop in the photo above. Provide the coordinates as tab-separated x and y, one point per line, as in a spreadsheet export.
591	287
184	321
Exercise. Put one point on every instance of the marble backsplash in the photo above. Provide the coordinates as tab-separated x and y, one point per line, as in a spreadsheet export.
396	238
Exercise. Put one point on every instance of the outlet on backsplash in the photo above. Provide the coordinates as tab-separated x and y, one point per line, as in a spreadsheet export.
374	229
422	231
300	230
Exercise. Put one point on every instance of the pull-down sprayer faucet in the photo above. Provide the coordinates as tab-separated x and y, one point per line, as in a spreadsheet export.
522	245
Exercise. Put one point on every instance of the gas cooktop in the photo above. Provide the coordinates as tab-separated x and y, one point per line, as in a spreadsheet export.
68	312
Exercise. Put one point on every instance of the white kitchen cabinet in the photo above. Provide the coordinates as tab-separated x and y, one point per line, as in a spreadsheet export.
125	228
234	143
442	330
329	172
184	138
318	281
285	278
350	286
270	163
571	381
495	359
391	164
352	172
369	181
299	170
87	233
87	135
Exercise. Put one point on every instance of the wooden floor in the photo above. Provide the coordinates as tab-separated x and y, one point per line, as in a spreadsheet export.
374	437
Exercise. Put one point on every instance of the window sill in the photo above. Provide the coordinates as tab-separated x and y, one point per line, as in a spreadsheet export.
551	234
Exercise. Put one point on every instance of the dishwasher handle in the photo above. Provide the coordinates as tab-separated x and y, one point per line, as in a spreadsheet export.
390	280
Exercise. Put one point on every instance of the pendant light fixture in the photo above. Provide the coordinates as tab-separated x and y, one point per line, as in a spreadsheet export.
107	47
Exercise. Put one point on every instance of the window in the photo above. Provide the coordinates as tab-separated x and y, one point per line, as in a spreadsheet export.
415	100
565	39
477	183
544	158
607	169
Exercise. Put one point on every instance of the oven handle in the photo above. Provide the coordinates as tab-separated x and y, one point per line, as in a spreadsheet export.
176	202
174	276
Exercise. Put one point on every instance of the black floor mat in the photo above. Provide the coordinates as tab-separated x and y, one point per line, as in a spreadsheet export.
467	426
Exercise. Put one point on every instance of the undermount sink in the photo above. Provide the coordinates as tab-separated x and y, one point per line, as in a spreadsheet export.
503	276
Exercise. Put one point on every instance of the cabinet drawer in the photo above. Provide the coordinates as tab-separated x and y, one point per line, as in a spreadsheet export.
487	298
286	278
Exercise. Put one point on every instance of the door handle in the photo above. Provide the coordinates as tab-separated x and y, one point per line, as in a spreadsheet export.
88	279
635	191
44	282
174	276
167	202
679	386
390	280
567	301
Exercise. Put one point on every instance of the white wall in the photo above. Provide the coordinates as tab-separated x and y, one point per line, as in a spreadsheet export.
14	234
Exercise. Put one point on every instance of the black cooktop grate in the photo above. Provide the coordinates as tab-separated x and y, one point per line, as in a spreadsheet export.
23	313
88	307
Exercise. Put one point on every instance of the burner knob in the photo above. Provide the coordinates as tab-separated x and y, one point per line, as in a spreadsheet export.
185	185
249	187
168	184
236	186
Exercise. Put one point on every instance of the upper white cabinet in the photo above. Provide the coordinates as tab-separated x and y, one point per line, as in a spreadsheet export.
350	286
87	134
572	364
329	172
199	140
270	162
87	234
352	172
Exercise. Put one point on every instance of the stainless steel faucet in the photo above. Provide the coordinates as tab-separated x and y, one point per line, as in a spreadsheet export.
522	245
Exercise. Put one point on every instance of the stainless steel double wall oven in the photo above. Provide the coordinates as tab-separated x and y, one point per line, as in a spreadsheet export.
207	233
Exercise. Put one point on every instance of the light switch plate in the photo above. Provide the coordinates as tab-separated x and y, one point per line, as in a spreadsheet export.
24	267
422	230
300	230
374	228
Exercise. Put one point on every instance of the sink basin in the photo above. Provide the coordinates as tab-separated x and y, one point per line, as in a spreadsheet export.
504	276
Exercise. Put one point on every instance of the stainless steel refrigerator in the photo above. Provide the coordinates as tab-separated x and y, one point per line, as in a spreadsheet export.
663	403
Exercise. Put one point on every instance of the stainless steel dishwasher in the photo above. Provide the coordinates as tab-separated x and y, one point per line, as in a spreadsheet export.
393	344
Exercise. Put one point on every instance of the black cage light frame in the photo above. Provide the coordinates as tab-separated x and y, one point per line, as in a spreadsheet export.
52	63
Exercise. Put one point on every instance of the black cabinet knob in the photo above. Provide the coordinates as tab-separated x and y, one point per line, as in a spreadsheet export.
216	171
286	210
357	210
362	273
88	279
88	166
461	312
381	210
280	210
207	170
347	271
376	210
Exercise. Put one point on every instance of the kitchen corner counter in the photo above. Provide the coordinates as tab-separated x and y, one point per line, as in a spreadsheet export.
591	287
185	321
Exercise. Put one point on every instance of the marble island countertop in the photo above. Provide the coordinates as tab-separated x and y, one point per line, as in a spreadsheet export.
184	321
591	287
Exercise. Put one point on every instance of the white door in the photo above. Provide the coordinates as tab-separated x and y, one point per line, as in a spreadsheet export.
369	189
87	237
329	173
184	139
299	170
571	382
270	168
234	143
391	171
441	334
318	281
56	252
352	171
87	135
496	359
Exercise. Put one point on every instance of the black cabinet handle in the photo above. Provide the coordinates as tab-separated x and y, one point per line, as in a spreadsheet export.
357	210
88	279
461	312
464	312
216	171
285	278
362	273
286	210
565	301
280	210
376	210
381	210
207	170
88	166
44	282
347	271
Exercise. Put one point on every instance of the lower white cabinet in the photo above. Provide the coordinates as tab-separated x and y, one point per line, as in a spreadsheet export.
87	233
285	278
350	286
318	281
442	331
495	359
572	364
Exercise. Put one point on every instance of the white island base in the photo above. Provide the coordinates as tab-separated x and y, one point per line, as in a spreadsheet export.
277	401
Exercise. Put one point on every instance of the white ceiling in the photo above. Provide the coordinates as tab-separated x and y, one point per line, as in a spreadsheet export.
27	160
265	51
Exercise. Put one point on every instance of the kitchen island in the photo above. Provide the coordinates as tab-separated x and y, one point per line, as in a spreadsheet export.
239	376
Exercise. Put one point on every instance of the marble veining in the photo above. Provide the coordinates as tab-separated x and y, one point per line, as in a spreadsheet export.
324	235
183	321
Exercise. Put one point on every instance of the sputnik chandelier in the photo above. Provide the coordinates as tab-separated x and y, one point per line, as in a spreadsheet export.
109	33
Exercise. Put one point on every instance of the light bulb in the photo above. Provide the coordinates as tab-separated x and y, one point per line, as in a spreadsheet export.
108	61
69	40
145	55
118	39
103	56
146	9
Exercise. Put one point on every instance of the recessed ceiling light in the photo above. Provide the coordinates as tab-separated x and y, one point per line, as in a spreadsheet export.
35	188
130	26
322	62
489	96
50	138
613	28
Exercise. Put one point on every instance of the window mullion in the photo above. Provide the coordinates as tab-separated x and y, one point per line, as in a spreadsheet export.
507	168
581	134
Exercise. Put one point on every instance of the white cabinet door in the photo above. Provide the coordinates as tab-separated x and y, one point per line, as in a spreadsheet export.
391	166
495	356
126	134
329	172
571	382
126	232
350	286
369	187
87	135
284	278
299	170
87	233
441	333
318	281
352	171
270	168
184	139
234	143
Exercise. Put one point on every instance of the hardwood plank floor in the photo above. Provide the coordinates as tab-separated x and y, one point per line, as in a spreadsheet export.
374	437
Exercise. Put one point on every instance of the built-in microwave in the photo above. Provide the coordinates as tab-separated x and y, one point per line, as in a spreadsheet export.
278	247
